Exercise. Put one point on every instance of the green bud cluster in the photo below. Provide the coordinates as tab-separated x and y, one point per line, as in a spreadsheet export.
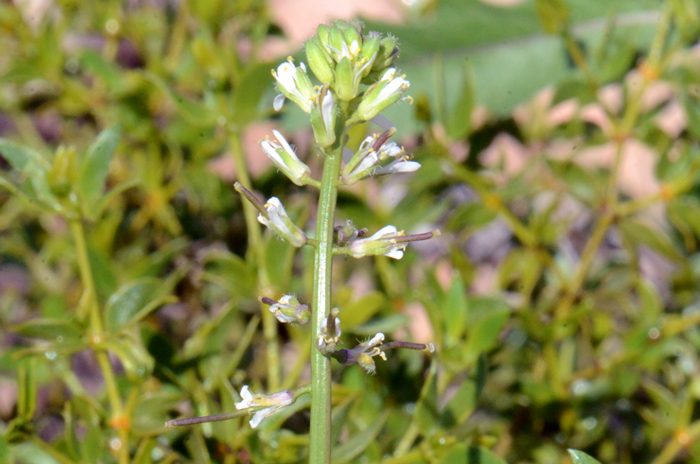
344	59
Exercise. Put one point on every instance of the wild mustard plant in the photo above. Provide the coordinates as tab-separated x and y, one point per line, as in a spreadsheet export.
357	80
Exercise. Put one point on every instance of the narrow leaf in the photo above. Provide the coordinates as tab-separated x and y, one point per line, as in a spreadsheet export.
94	169
579	457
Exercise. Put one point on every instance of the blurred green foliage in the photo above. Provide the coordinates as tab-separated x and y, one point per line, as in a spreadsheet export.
562	299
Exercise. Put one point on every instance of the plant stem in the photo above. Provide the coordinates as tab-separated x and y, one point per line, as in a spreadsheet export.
258	250
680	440
115	402
320	432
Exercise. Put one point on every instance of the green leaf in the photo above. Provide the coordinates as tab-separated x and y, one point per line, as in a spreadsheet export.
339	418
94	169
357	444
22	157
692	112
70	437
132	300
455	307
579	457
464	402
151	411
486	320
4	450
26	389
249	92
474	214
92	444
361	310
459	123
57	330
463	454
427	412
231	272
637	233
193	112
137	362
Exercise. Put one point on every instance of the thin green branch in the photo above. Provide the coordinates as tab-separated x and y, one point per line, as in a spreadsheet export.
118	421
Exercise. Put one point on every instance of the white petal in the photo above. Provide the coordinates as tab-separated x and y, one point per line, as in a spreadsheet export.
396	253
383	232
247	398
259	416
397	167
278	102
284	143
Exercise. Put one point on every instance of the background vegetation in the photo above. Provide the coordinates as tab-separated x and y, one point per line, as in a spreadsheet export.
559	144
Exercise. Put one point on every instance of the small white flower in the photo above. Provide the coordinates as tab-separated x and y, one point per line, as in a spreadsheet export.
285	159
384	242
325	341
295	85
271	404
289	310
383	94
366	166
280	223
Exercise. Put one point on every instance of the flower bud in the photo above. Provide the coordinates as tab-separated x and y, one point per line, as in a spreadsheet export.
344	85
370	46
347	233
285	159
336	41
62	174
388	51
353	38
380	96
319	60
324	117
279	222
323	33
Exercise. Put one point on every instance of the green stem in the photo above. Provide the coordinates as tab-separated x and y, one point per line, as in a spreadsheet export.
681	439
258	250
320	432
117	419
